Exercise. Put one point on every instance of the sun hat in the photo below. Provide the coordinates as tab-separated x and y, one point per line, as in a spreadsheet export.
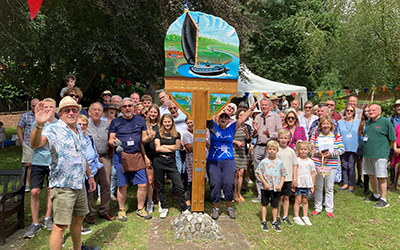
67	102
111	106
106	92
396	103
274	97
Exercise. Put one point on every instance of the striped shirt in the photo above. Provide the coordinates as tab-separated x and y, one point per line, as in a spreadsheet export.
338	149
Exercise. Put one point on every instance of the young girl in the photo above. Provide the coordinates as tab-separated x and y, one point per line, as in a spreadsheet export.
305	181
2	134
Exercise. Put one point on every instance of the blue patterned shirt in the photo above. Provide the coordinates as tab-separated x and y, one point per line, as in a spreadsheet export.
68	153
25	121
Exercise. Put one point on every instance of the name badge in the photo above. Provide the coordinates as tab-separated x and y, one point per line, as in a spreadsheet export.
365	138
77	160
130	143
349	136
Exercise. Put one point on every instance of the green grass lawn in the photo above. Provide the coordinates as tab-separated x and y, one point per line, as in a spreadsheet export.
356	224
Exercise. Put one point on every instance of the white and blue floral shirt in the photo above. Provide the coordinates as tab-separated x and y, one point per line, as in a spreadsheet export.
68	153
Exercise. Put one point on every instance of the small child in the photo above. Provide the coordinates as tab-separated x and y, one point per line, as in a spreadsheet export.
289	160
70	81
305	181
272	173
3	134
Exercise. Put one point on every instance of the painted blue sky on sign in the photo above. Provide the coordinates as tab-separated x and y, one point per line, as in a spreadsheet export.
210	27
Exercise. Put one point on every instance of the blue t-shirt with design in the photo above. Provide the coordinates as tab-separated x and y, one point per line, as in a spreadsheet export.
129	132
221	144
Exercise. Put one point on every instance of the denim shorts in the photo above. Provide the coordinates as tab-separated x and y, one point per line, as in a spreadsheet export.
303	191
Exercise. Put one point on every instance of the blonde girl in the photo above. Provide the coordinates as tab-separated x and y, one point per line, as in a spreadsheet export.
305	181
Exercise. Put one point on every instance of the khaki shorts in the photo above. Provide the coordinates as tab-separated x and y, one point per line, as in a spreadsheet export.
27	153
68	202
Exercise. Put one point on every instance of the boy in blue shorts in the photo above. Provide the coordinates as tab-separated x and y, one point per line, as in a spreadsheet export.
272	174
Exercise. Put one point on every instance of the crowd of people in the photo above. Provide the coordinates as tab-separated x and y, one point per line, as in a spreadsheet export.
122	141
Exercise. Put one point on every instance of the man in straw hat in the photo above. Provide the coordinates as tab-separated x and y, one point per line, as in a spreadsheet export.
67	170
275	102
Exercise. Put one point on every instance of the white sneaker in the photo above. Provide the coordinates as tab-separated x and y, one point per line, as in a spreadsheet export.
164	212
298	221
307	221
159	207
149	207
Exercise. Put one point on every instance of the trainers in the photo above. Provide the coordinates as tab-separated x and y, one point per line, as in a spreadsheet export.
143	213
287	221
215	214
90	248
122	215
32	230
164	213
329	214
278	220
276	227
381	204
27	189
258	199
307	221
231	213
315	212
48	223
86	230
149	207
264	226
298	221
371	198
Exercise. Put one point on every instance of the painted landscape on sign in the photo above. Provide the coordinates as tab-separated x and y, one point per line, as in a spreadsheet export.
199	45
217	101
184	100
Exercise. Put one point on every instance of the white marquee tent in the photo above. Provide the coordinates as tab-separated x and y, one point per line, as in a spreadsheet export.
256	84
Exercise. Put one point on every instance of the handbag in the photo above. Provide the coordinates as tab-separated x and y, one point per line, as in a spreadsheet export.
132	162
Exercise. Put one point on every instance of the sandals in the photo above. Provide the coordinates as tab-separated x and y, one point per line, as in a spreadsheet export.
236	198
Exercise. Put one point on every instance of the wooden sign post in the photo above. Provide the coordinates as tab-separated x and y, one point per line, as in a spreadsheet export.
201	77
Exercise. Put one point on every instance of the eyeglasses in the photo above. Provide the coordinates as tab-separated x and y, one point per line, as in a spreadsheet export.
67	111
290	118
82	124
126	106
349	110
76	96
173	108
307	107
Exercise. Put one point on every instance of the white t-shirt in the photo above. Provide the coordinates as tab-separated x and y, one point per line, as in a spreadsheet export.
288	158
304	179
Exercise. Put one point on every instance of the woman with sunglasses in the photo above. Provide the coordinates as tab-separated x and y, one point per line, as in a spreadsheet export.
77	95
348	127
308	118
297	132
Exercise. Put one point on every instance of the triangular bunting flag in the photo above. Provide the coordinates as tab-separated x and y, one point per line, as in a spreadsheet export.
383	89
246	94
34	6
274	93
265	95
102	77
311	94
330	93
24	64
393	86
147	86
374	89
3	67
128	83
118	80
357	91
137	84
320	94
398	88
294	94
347	91
112	79
338	93
32	62
13	65
157	87
365	90
256	94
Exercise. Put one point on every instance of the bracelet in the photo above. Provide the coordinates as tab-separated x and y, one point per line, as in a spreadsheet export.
251	109
90	176
39	127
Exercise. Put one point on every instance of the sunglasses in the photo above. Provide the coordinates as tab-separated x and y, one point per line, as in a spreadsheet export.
224	117
349	110
67	111
290	118
106	94
76	96
126	106
307	107
330	104
82	124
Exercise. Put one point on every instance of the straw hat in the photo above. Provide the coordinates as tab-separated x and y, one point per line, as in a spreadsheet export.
274	97
106	92
396	103
68	102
